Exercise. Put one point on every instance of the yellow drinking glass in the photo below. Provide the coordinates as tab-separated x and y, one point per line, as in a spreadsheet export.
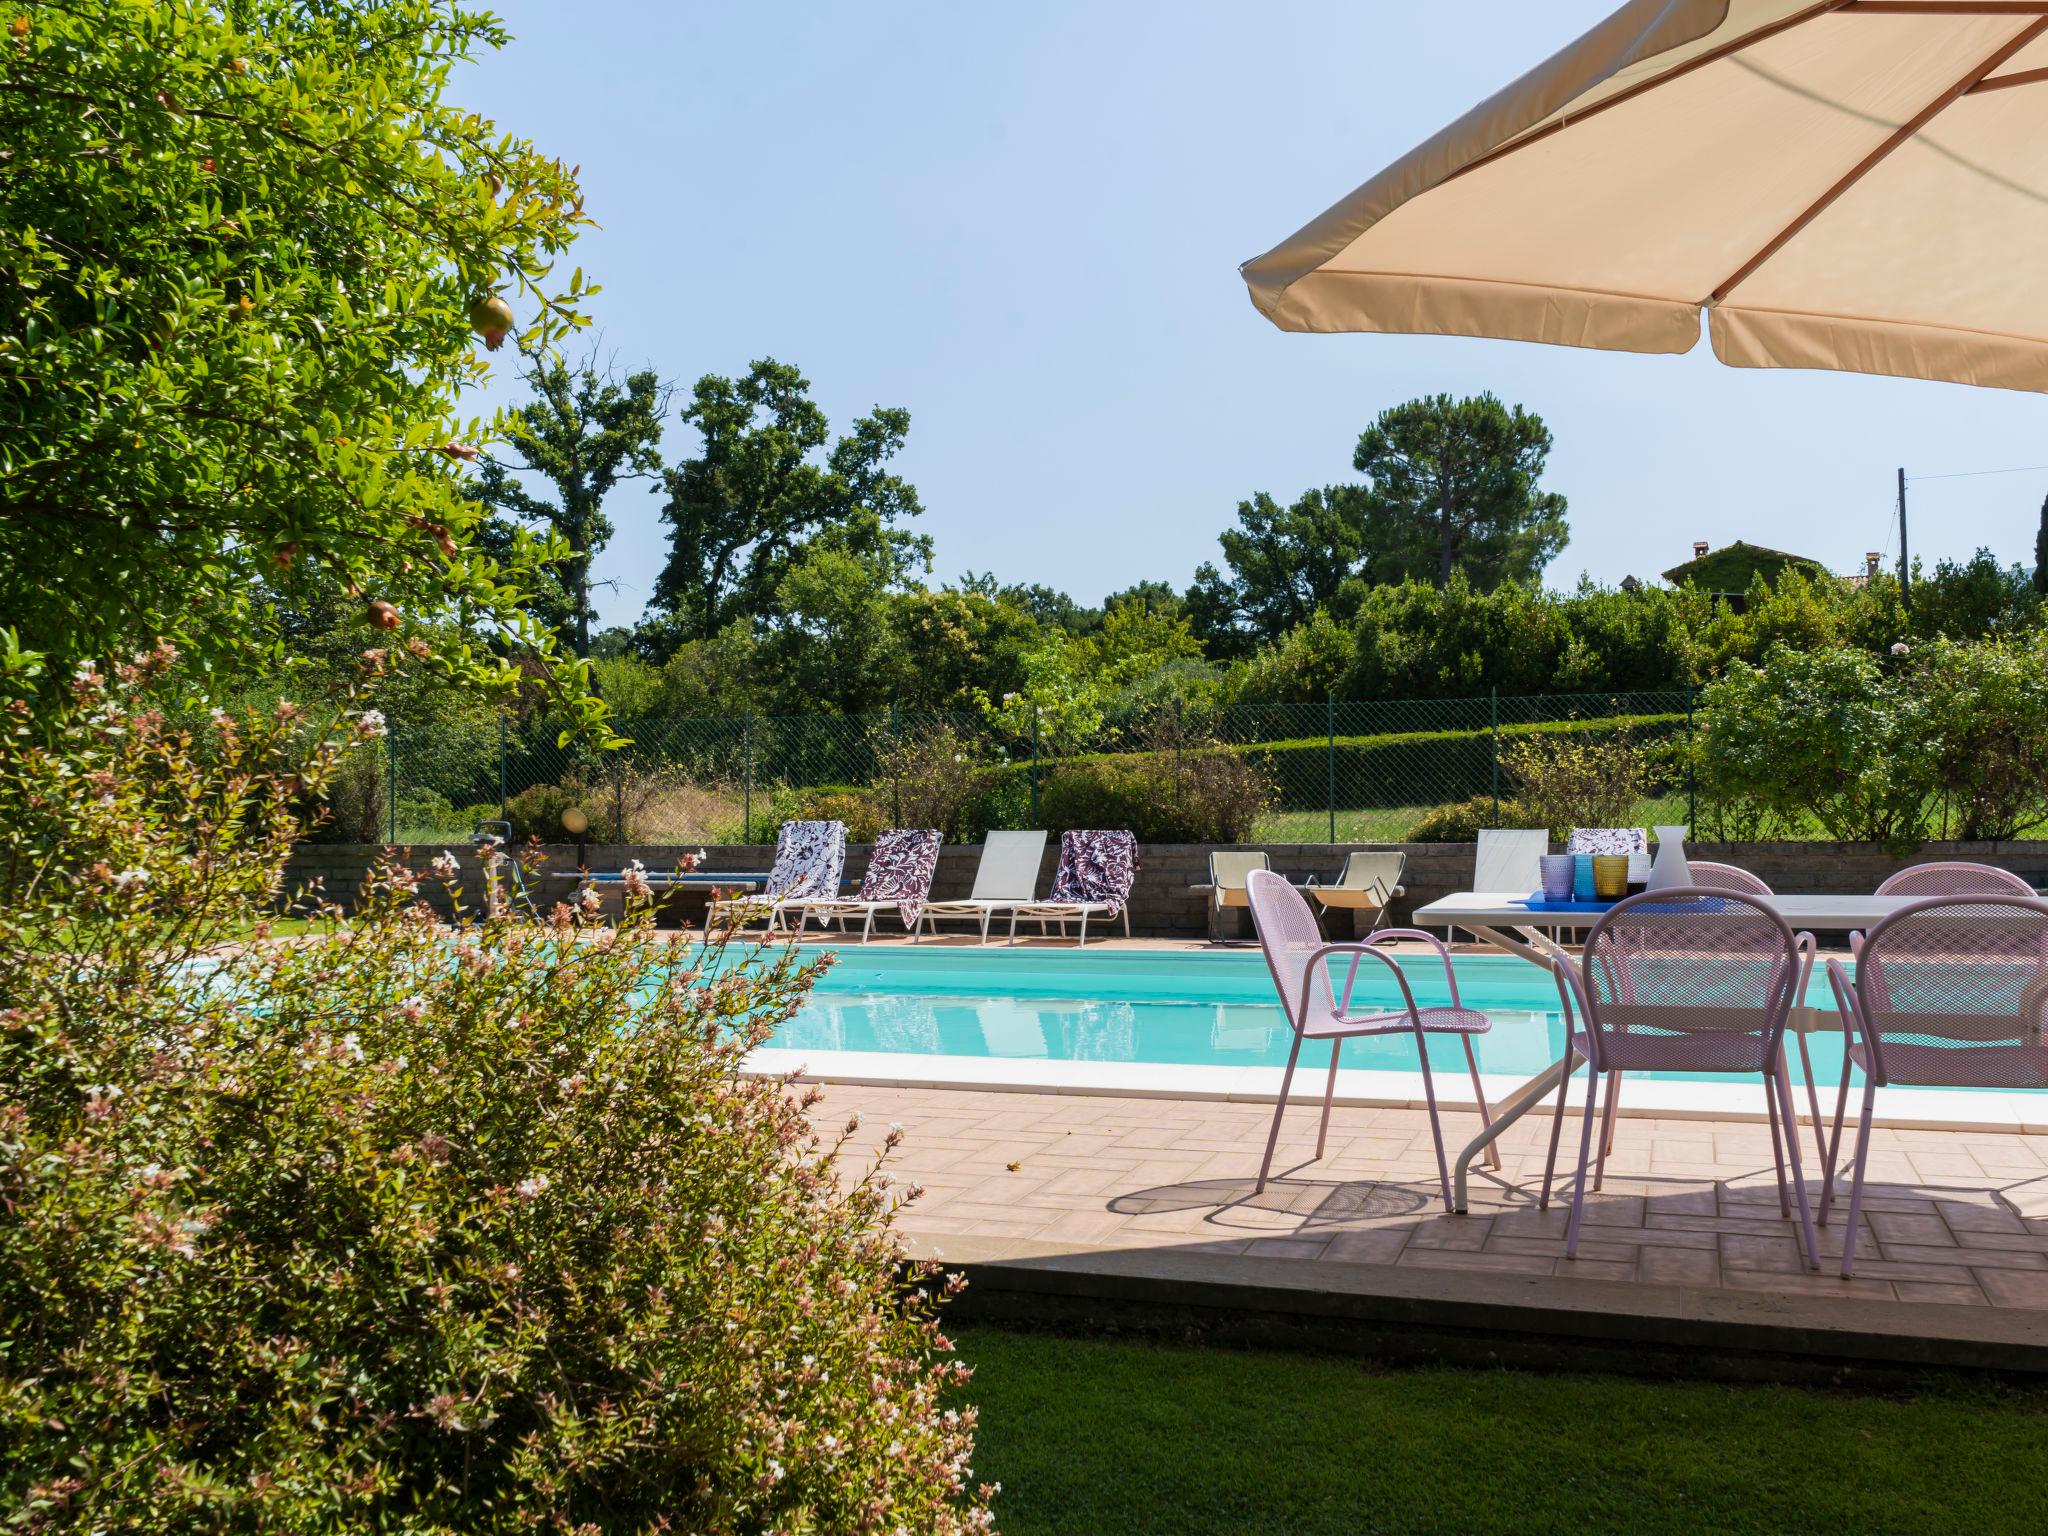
1610	876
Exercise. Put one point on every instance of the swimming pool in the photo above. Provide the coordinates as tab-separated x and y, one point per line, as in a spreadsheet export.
1171	1009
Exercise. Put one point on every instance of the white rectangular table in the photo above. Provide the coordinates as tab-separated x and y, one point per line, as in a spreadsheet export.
1512	925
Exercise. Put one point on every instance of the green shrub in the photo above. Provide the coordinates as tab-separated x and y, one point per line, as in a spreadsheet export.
1989	709
929	778
536	811
356	805
413	1229
1178	791
1822	736
1566	780
864	813
1461	821
1001	801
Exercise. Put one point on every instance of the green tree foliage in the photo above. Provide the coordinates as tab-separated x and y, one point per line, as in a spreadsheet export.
1821	738
420	1228
1285	564
766	481
584	431
241	249
1990	705
1453	486
1975	597
2041	550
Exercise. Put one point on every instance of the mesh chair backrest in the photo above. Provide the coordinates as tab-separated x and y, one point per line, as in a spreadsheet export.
1955	879
1952	991
1008	870
810	856
1288	934
1725	877
1096	867
1693	962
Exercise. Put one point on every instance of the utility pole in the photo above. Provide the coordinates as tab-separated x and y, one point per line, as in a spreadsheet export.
1905	560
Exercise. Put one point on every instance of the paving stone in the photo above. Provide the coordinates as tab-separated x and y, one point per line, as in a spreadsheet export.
1950	1218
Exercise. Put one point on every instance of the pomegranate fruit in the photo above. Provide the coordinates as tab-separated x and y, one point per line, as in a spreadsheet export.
383	615
491	318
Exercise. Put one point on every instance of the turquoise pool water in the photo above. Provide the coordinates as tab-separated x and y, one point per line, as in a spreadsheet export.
1179	1008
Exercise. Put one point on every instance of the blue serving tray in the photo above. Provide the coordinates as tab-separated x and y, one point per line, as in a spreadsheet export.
1538	904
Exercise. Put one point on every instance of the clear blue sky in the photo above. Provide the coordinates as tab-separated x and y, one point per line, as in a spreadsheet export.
1023	224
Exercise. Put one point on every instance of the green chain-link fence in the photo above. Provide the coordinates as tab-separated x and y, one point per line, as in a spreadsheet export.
1337	772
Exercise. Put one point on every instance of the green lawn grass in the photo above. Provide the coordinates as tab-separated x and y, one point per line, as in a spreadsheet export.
1392	823
1092	1436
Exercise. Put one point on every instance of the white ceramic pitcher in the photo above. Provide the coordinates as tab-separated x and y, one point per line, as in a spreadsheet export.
1671	867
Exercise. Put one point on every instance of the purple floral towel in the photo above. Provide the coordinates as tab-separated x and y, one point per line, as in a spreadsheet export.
900	870
1096	866
809	858
1608	840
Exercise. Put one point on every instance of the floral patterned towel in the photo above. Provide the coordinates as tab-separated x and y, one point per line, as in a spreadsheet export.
900	870
809	858
1608	840
1096	866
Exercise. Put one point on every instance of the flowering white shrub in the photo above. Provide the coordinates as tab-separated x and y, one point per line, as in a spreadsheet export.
411	1227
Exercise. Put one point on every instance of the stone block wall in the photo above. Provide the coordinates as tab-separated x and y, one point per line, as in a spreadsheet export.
1163	906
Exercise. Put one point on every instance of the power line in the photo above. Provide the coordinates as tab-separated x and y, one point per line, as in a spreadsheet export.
1972	474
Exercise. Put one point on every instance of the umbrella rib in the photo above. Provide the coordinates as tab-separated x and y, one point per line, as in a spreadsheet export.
1863	167
2005	82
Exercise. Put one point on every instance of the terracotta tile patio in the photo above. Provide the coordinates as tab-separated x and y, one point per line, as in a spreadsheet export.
1954	1218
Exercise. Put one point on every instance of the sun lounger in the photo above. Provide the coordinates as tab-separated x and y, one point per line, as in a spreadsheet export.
809	858
1228	870
1006	878
1367	883
1093	880
899	875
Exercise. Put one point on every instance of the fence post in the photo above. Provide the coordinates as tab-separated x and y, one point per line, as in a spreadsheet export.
747	777
391	774
502	803
1691	763
1330	722
1034	762
895	763
1493	728
619	795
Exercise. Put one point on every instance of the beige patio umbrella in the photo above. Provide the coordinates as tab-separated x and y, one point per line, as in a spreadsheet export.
1858	185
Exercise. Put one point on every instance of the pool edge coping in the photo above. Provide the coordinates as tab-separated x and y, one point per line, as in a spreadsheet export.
1644	1098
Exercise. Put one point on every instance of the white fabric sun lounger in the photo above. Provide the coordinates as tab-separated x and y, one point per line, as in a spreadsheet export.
1094	879
1006	878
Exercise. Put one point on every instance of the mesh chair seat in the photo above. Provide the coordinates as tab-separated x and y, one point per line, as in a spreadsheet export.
1652	1051
1447	1021
1956	1065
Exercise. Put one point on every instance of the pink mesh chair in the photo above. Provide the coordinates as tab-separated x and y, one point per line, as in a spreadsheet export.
1682	980
1949	993
1955	879
1726	877
1709	876
1299	961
